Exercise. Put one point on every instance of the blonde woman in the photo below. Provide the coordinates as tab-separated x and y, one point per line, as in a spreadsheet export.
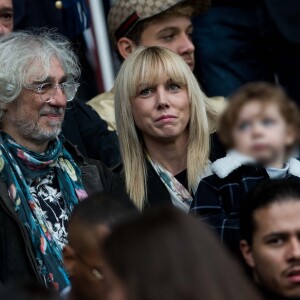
162	122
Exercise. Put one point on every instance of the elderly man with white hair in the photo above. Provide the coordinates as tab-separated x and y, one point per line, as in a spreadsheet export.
42	176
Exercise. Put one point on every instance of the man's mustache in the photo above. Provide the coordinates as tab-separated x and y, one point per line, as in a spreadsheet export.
294	266
52	111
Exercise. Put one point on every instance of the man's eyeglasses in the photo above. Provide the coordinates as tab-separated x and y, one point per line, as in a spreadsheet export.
48	90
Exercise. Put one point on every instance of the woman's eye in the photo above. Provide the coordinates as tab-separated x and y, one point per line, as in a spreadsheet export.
146	92
174	87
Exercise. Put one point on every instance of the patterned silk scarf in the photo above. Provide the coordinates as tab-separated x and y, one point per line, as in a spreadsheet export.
180	196
17	164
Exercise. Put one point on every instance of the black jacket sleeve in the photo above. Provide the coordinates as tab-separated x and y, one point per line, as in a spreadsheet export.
85	129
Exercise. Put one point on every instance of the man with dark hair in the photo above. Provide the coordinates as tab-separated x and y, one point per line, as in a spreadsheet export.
270	238
89	225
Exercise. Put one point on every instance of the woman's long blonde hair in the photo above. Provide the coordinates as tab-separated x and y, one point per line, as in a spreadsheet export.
145	67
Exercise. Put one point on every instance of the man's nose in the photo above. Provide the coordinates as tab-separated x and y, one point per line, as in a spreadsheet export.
293	252
59	98
186	44
2	29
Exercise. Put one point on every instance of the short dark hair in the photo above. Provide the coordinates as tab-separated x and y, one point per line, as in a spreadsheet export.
266	93
98	209
167	254
265	194
101	208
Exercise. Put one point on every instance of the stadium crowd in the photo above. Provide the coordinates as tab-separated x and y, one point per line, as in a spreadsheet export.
182	182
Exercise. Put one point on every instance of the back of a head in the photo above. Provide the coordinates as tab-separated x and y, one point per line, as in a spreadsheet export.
166	254
102	208
99	209
265	194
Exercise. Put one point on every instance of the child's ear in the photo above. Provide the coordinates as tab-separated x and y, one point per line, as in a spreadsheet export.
69	259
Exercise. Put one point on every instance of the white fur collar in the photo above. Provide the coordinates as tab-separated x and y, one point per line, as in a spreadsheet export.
294	168
233	160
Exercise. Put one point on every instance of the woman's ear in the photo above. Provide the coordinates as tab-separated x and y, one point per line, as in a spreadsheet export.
125	46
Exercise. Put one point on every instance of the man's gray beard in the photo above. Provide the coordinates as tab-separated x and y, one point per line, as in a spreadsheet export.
33	132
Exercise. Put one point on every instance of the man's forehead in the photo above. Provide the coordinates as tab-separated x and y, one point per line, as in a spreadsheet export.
278	217
48	73
5	4
182	22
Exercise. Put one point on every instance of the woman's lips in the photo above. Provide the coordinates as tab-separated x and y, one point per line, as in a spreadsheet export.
165	118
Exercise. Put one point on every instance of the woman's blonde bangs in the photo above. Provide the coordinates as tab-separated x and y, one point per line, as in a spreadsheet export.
150	66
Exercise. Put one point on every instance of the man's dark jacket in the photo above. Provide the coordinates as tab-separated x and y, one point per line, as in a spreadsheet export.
17	261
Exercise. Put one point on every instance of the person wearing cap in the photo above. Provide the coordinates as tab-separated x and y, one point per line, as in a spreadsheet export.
42	175
152	23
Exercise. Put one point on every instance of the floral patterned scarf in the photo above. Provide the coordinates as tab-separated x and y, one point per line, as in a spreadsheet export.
180	196
17	164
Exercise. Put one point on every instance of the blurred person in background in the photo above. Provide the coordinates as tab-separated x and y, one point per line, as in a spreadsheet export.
89	225
270	238
250	40
162	121
261	128
152	23
166	254
43	176
6	16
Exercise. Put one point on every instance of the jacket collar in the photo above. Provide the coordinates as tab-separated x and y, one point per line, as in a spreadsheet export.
233	160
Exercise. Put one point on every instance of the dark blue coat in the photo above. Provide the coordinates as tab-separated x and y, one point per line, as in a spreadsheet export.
219	197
